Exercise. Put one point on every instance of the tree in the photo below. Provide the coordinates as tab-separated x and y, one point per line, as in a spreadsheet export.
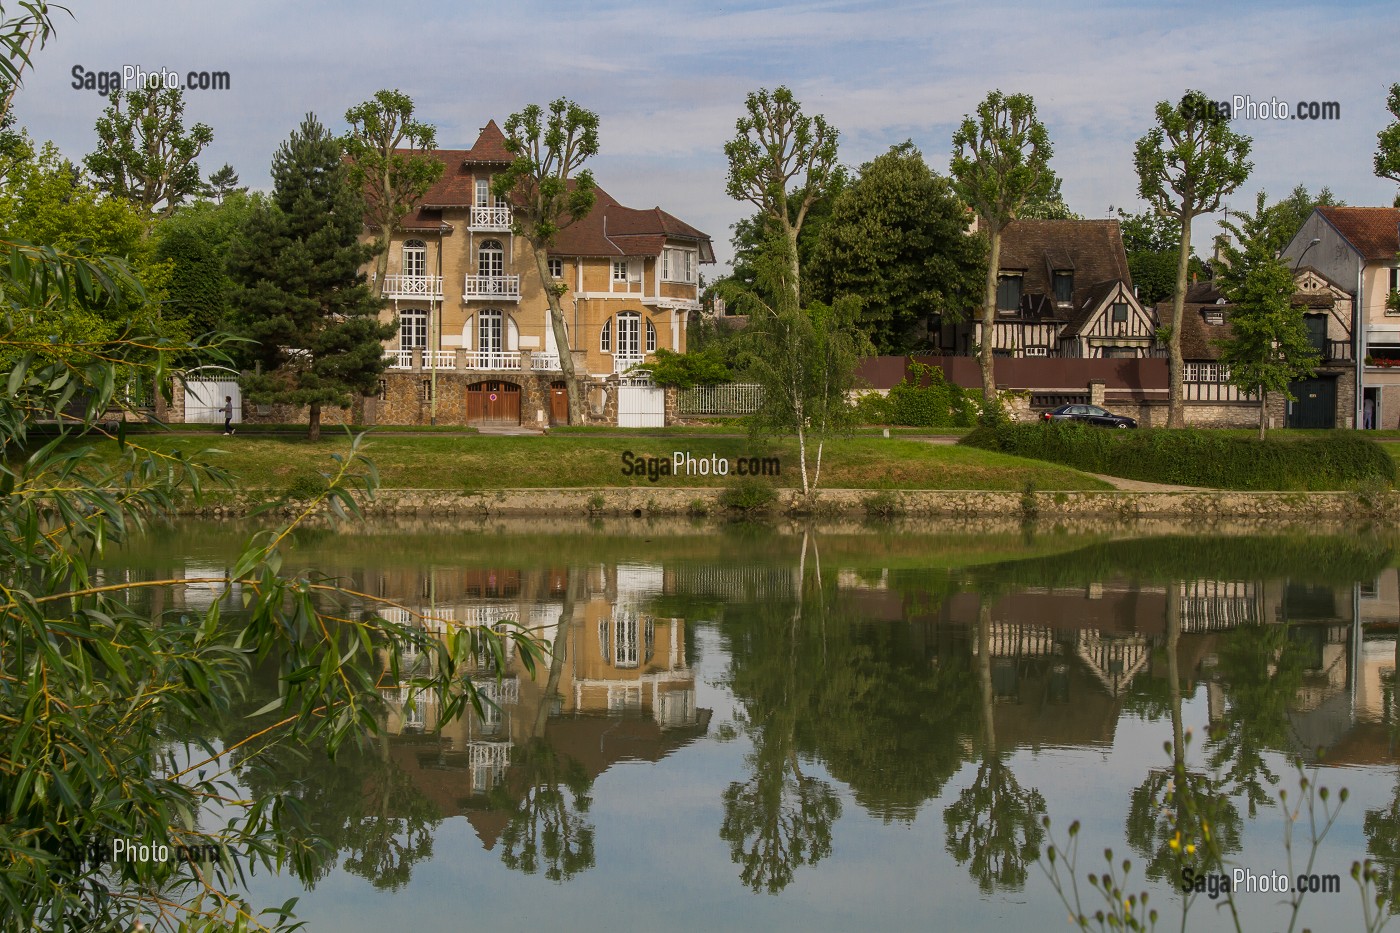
782	162
1186	165
1049	206
1387	159
550	190
1150	241
1268	347
197	240
301	297
389	158
1001	161
1287	216
224	182
144	153
897	241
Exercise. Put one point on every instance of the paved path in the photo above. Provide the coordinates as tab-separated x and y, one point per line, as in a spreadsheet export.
1136	485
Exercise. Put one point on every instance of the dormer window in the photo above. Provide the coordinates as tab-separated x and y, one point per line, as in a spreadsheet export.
1064	287
1009	293
1214	316
1120	312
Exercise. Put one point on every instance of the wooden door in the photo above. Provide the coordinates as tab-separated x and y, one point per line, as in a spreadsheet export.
558	403
493	402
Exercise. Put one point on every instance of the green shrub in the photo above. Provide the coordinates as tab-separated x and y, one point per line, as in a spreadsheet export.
748	495
1190	457
685	370
874	408
306	486
926	399
883	504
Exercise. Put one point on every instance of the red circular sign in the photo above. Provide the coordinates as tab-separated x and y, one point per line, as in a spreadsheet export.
493	396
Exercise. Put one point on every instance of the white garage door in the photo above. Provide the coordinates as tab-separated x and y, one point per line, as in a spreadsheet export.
640	404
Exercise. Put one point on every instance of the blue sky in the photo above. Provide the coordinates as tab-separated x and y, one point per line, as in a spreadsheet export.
668	80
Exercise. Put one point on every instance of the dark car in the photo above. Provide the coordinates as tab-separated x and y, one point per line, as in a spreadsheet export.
1089	414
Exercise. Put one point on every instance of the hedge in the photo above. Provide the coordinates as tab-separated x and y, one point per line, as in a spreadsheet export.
1339	460
924	399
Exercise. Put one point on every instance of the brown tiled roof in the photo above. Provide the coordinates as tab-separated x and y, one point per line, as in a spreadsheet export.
1091	249
1372	231
610	229
1084	310
1197	337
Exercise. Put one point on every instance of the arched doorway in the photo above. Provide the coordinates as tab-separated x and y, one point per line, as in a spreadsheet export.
558	403
493	402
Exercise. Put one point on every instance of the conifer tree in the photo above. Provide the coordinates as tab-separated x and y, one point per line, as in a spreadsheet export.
301	296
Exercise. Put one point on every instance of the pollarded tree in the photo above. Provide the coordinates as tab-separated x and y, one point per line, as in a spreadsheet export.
782	162
1186	165
301	297
389	159
1269	346
896	240
144	153
1001	162
549	189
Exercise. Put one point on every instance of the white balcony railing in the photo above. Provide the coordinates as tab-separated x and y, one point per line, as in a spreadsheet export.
624	362
490	218
440	359
399	359
486	360
492	287
412	286
545	362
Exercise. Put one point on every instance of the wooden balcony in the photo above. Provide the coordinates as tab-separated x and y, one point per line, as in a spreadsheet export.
490	218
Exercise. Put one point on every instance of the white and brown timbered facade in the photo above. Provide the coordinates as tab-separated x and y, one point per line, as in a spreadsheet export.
1063	290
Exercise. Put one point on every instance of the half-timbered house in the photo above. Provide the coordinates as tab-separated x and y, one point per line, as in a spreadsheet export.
1063	289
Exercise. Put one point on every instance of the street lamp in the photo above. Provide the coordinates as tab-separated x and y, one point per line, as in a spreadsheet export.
436	319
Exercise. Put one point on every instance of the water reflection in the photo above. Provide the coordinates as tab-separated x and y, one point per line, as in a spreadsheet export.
864	686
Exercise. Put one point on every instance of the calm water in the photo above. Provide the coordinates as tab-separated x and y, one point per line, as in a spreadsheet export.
836	728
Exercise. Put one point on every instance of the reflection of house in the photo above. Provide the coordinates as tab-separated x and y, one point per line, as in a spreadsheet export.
625	689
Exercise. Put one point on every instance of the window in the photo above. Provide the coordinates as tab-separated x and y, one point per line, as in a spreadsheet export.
1037	351
1395	279
605	338
425	391
483	192
629	327
619	270
1120	312
382	393
488	340
490	259
556	268
1120	353
415	258
678	265
651	337
413	330
1008	293
1064	287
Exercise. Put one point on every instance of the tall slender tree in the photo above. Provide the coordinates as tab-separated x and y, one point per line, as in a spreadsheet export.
301	297
1387	159
1268	347
1186	165
389	159
145	154
549	189
1001	162
782	162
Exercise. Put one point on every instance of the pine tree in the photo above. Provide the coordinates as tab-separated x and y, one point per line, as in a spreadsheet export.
301	296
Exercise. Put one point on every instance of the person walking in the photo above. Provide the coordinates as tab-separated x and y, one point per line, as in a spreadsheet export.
228	415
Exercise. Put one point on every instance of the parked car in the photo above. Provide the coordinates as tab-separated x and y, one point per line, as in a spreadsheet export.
1089	414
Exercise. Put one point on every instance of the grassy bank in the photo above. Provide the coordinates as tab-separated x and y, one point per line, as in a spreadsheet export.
280	463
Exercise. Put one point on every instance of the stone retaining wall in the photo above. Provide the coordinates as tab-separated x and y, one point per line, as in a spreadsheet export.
1286	506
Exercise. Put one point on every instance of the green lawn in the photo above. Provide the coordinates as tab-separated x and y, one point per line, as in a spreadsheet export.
475	462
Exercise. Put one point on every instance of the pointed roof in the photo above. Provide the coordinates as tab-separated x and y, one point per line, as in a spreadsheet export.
490	147
1092	250
1374	232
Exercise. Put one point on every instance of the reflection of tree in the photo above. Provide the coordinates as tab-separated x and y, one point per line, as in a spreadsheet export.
546	828
994	827
1177	817
1382	825
779	819
360	804
1263	667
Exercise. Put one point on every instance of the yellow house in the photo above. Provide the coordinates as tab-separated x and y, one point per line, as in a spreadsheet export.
474	341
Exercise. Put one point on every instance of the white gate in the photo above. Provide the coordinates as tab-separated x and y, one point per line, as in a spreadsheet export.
640	404
205	389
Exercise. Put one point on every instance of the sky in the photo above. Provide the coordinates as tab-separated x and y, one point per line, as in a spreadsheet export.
668	81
